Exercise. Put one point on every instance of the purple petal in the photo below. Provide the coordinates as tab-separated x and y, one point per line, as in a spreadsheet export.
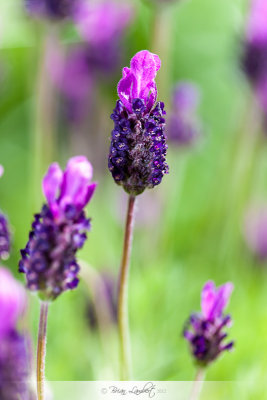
90	192
1	170
139	80
208	296
125	86
214	301
52	184
76	181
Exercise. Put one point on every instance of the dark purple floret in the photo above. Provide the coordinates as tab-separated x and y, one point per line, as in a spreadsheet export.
206	337
4	237
137	158
14	368
254	61
49	258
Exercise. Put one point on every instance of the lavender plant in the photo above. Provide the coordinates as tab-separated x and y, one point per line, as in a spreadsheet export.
137	160
205	331
58	232
14	354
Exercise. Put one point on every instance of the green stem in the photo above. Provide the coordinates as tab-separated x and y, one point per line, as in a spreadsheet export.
41	351
123	293
198	383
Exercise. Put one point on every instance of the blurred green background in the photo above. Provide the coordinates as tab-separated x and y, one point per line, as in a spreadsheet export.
195	232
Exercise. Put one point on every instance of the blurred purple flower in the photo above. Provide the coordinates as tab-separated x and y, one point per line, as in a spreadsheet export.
14	357
14	367
74	78
137	158
4	231
4	237
204	332
183	126
53	9
101	25
49	258
12	302
254	58
255	231
102	22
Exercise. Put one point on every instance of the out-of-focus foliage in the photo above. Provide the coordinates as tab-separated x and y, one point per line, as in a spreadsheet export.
188	231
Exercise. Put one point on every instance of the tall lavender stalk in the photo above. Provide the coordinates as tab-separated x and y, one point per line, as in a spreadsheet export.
58	231
137	160
123	291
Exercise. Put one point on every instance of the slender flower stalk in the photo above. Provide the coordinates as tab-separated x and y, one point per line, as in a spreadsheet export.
137	160
123	319
198	384
41	350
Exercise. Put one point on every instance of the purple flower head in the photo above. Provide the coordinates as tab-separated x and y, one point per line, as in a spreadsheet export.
204	331
137	158
52	9
49	258
183	126
138	81
101	25
12	302
255	231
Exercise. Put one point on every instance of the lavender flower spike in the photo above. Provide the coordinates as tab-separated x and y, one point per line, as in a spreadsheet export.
206	335
49	258
137	158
